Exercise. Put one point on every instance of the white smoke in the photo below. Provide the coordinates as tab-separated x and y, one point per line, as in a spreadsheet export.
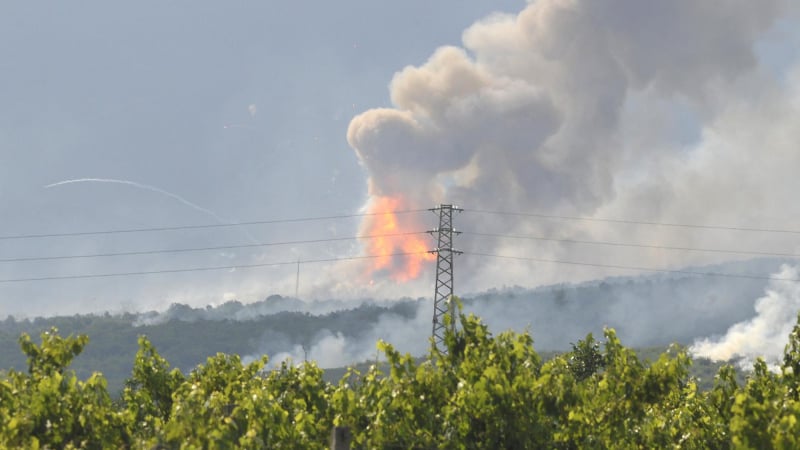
330	350
764	335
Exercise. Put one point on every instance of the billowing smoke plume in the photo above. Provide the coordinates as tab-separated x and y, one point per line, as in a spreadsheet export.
661	111
764	335
528	113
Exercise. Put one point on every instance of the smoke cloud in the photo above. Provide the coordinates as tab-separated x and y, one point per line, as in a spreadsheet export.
532	104
764	335
661	111
646	110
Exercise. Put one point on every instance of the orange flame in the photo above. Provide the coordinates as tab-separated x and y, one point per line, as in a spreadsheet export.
395	235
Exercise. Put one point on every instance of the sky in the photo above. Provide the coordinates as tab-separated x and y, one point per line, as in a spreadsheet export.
204	113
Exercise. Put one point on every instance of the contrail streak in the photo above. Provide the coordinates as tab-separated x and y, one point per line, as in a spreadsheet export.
141	186
148	187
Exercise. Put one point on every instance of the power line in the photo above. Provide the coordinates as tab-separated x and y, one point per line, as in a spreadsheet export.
202	249
635	222
204	269
346	216
198	227
633	245
637	268
343	216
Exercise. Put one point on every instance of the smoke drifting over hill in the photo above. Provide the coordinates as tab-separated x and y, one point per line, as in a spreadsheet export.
715	313
645	311
763	335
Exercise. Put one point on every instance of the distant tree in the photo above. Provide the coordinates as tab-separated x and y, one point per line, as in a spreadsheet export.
585	359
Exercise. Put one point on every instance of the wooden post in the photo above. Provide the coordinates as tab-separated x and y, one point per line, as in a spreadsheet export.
340	438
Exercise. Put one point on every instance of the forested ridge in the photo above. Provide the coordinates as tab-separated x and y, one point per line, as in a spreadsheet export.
648	313
483	391
187	341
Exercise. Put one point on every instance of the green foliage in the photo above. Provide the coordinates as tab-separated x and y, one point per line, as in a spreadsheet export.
50	408
586	359
54	354
482	391
148	392
225	404
189	335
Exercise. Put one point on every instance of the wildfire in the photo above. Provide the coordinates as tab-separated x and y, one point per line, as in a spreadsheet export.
393	236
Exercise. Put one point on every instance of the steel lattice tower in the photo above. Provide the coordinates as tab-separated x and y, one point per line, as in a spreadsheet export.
444	273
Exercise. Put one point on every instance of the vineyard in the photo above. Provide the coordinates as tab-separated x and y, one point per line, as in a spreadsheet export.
484	391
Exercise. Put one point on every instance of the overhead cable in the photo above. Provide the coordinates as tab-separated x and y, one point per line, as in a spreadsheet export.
203	269
634	222
199	227
634	245
202	249
637	268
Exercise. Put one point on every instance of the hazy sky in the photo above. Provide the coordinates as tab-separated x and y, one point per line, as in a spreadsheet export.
223	112
160	94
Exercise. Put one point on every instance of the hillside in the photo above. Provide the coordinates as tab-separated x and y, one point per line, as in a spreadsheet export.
647	311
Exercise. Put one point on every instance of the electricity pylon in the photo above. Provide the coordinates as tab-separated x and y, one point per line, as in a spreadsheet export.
444	273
